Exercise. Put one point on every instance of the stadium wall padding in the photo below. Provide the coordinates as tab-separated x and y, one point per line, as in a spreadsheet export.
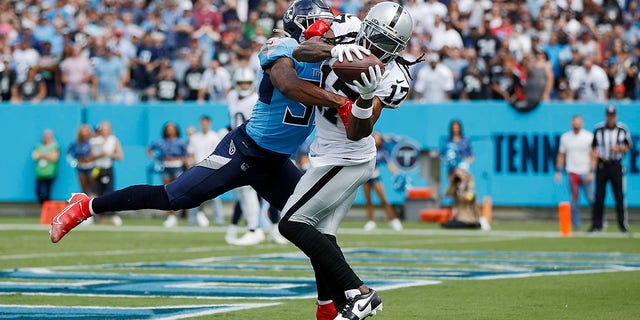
515	152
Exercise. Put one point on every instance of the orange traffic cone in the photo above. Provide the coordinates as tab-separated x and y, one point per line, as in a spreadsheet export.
564	218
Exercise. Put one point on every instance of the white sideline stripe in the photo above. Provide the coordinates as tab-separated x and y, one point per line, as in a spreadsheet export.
219	309
359	231
115	252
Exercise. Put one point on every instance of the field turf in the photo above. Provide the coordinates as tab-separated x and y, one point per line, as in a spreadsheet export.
144	271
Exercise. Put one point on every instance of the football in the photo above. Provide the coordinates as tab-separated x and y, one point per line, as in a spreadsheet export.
348	71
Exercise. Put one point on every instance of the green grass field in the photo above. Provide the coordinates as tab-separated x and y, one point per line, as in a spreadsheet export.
515	271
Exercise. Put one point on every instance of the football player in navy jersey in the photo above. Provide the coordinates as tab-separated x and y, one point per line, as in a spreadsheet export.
256	153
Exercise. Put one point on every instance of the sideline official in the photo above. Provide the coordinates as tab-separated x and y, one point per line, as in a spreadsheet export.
611	140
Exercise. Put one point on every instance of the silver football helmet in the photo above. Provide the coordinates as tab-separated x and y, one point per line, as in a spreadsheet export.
386	30
244	81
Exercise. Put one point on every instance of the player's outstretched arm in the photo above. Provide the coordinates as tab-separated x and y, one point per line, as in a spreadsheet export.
283	76
312	50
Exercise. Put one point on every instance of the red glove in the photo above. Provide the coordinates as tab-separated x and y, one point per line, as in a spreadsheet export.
317	29
344	111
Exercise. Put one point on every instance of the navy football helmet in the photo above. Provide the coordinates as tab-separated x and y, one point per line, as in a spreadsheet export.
303	13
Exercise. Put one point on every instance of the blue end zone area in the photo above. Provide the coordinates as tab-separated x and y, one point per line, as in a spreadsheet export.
100	313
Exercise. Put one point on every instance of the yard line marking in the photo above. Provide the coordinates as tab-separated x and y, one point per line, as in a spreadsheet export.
352	231
115	252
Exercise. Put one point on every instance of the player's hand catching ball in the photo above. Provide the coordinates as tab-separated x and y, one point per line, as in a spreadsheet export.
369	85
341	51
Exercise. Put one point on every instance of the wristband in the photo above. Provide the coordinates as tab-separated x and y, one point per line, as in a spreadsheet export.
361	113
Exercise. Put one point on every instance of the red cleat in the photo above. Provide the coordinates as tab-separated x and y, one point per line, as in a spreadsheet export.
326	311
71	216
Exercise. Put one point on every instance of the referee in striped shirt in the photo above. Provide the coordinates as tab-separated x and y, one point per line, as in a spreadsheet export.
611	140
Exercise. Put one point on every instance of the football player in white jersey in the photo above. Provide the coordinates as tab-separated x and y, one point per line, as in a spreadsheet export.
343	153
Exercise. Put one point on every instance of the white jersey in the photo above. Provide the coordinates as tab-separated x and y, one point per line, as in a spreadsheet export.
240	109
331	145
201	144
577	150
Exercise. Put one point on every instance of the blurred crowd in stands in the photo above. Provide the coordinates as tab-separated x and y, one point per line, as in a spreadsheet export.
126	51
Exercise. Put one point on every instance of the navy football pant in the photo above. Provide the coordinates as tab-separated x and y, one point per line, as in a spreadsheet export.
236	161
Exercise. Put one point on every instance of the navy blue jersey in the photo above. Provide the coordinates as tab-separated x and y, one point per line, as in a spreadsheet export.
278	123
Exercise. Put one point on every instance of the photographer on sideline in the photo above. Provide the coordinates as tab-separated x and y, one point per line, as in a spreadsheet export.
466	213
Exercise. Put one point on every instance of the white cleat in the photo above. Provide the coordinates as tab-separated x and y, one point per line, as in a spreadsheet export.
251	238
395	224
361	306
202	220
370	225
171	221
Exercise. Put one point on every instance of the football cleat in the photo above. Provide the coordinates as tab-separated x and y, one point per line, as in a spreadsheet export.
326	311
71	216
395	224
251	238
171	221
202	219
370	225
361	306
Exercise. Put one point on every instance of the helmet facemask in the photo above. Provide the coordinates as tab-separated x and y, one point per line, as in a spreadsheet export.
380	40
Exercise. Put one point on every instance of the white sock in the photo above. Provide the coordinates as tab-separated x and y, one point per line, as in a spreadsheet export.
324	302
351	293
91	207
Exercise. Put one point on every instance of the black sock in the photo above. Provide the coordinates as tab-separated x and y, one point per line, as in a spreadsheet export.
327	289
133	198
321	252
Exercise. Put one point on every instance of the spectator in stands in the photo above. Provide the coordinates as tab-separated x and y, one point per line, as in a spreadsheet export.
110	75
434	81
46	155
8	82
24	57
382	157
487	44
193	79
623	73
172	152
474	78
456	63
167	88
32	89
589	82
506	83
216	83
183	28
105	149
81	159
539	78
50	72
146	63
76	75
574	155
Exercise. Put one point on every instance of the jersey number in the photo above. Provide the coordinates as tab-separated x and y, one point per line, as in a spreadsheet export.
291	119
331	114
394	89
